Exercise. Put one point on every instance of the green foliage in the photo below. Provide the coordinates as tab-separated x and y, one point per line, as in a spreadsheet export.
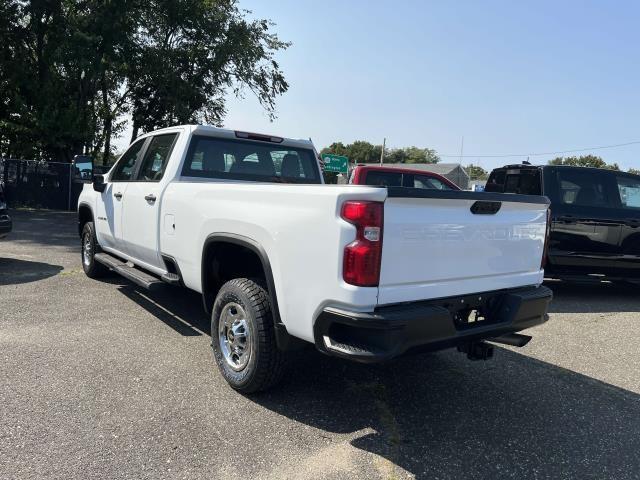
584	161
71	71
634	171
411	155
364	152
476	172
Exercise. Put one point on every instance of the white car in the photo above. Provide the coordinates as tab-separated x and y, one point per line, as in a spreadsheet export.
365	273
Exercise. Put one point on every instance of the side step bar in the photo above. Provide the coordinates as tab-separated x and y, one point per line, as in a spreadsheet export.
143	279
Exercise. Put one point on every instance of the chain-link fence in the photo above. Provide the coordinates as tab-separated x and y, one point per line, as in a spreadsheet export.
38	184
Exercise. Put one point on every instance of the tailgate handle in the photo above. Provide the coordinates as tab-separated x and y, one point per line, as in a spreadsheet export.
483	207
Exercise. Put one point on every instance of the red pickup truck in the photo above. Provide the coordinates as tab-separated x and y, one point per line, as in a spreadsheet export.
399	177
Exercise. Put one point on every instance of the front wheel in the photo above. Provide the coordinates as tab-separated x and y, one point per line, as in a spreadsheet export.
243	337
90	247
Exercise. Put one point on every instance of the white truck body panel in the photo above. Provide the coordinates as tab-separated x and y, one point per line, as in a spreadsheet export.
299	227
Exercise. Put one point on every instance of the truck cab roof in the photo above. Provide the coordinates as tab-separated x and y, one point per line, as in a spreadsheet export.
211	131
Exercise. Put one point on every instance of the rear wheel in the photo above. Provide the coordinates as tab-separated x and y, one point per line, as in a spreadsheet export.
243	337
90	247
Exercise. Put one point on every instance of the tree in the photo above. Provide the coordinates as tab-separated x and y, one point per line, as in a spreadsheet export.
412	155
362	151
634	171
70	71
359	151
584	161
189	56
476	172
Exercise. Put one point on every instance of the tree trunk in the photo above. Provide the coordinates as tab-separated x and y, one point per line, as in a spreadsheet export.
134	132
108	120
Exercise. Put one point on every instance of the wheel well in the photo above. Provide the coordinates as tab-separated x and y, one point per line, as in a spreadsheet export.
223	261
228	256
84	216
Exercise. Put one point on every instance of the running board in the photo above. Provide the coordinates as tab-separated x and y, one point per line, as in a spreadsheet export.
140	278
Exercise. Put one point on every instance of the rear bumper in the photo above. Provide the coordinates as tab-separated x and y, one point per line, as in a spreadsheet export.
5	224
430	325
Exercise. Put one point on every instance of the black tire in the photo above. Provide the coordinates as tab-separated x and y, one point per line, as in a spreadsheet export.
90	246
266	363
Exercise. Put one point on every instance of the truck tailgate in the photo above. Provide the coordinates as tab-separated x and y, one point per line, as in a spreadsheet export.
435	246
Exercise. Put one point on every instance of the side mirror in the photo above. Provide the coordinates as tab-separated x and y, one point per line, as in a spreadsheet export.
82	168
98	183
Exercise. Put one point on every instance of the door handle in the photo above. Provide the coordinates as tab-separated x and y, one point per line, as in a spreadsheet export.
150	198
118	195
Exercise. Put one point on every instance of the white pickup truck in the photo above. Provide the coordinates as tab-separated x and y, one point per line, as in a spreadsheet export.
364	273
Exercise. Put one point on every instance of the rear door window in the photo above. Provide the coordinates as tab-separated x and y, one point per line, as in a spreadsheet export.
629	190
385	179
424	181
584	188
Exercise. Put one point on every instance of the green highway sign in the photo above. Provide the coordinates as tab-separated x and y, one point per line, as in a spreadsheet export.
335	163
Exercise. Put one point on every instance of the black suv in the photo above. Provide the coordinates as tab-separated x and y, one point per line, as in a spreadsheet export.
5	219
595	217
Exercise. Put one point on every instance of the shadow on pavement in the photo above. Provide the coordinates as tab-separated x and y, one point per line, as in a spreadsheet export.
441	416
569	297
178	308
14	271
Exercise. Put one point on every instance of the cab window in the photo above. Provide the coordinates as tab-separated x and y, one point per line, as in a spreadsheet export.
156	158
424	181
212	157
583	188
495	183
629	189
524	182
127	164
385	179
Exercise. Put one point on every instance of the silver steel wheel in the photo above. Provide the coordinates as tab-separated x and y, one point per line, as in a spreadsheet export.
87	249
234	334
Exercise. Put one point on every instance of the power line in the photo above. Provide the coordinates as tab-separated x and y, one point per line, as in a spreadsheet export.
540	154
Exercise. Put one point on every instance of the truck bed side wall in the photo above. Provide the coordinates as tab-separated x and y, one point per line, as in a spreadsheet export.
298	226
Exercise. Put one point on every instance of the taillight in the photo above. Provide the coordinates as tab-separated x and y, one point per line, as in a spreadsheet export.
362	257
545	250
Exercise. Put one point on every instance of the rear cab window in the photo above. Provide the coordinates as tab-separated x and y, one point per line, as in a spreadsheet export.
385	179
524	181
212	157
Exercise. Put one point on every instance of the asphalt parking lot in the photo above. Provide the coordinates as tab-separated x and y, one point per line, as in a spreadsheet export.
99	379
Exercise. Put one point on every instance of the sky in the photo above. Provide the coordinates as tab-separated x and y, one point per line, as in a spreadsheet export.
510	77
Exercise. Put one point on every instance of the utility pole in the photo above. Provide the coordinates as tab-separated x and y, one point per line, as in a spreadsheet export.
461	149
384	141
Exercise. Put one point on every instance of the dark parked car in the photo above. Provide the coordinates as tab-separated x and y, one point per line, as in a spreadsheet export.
595	215
5	219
